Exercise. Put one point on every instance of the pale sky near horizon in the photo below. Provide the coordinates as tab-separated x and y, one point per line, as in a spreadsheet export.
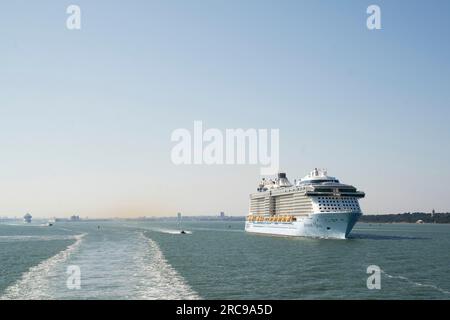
86	116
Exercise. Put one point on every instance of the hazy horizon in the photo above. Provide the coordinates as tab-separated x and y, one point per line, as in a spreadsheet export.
87	115
174	216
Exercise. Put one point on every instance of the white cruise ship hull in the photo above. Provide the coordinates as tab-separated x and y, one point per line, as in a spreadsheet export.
336	225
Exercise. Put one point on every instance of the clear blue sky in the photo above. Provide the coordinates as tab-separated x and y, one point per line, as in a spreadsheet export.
86	116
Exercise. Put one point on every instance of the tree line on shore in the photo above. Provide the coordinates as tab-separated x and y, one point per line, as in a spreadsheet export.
411	217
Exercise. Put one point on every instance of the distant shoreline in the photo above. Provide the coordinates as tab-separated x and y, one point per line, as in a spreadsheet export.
365	222
408	217
412	218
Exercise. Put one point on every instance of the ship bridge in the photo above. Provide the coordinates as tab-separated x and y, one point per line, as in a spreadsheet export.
317	176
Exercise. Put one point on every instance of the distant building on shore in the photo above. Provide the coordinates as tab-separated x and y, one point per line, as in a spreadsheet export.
27	218
222	215
179	215
75	218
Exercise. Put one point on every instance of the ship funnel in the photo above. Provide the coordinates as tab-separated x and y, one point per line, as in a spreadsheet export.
283	180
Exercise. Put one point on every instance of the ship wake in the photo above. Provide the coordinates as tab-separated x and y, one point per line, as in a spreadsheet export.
417	284
159	280
33	283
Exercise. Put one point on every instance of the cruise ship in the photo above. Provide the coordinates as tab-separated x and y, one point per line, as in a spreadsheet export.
316	206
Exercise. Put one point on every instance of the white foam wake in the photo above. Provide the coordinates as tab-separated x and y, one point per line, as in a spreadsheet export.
33	283
16	238
418	284
159	280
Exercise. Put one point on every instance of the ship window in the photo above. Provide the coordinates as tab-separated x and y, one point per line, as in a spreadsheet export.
321	181
324	190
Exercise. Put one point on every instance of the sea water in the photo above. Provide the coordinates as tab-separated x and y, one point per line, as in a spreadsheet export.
218	260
